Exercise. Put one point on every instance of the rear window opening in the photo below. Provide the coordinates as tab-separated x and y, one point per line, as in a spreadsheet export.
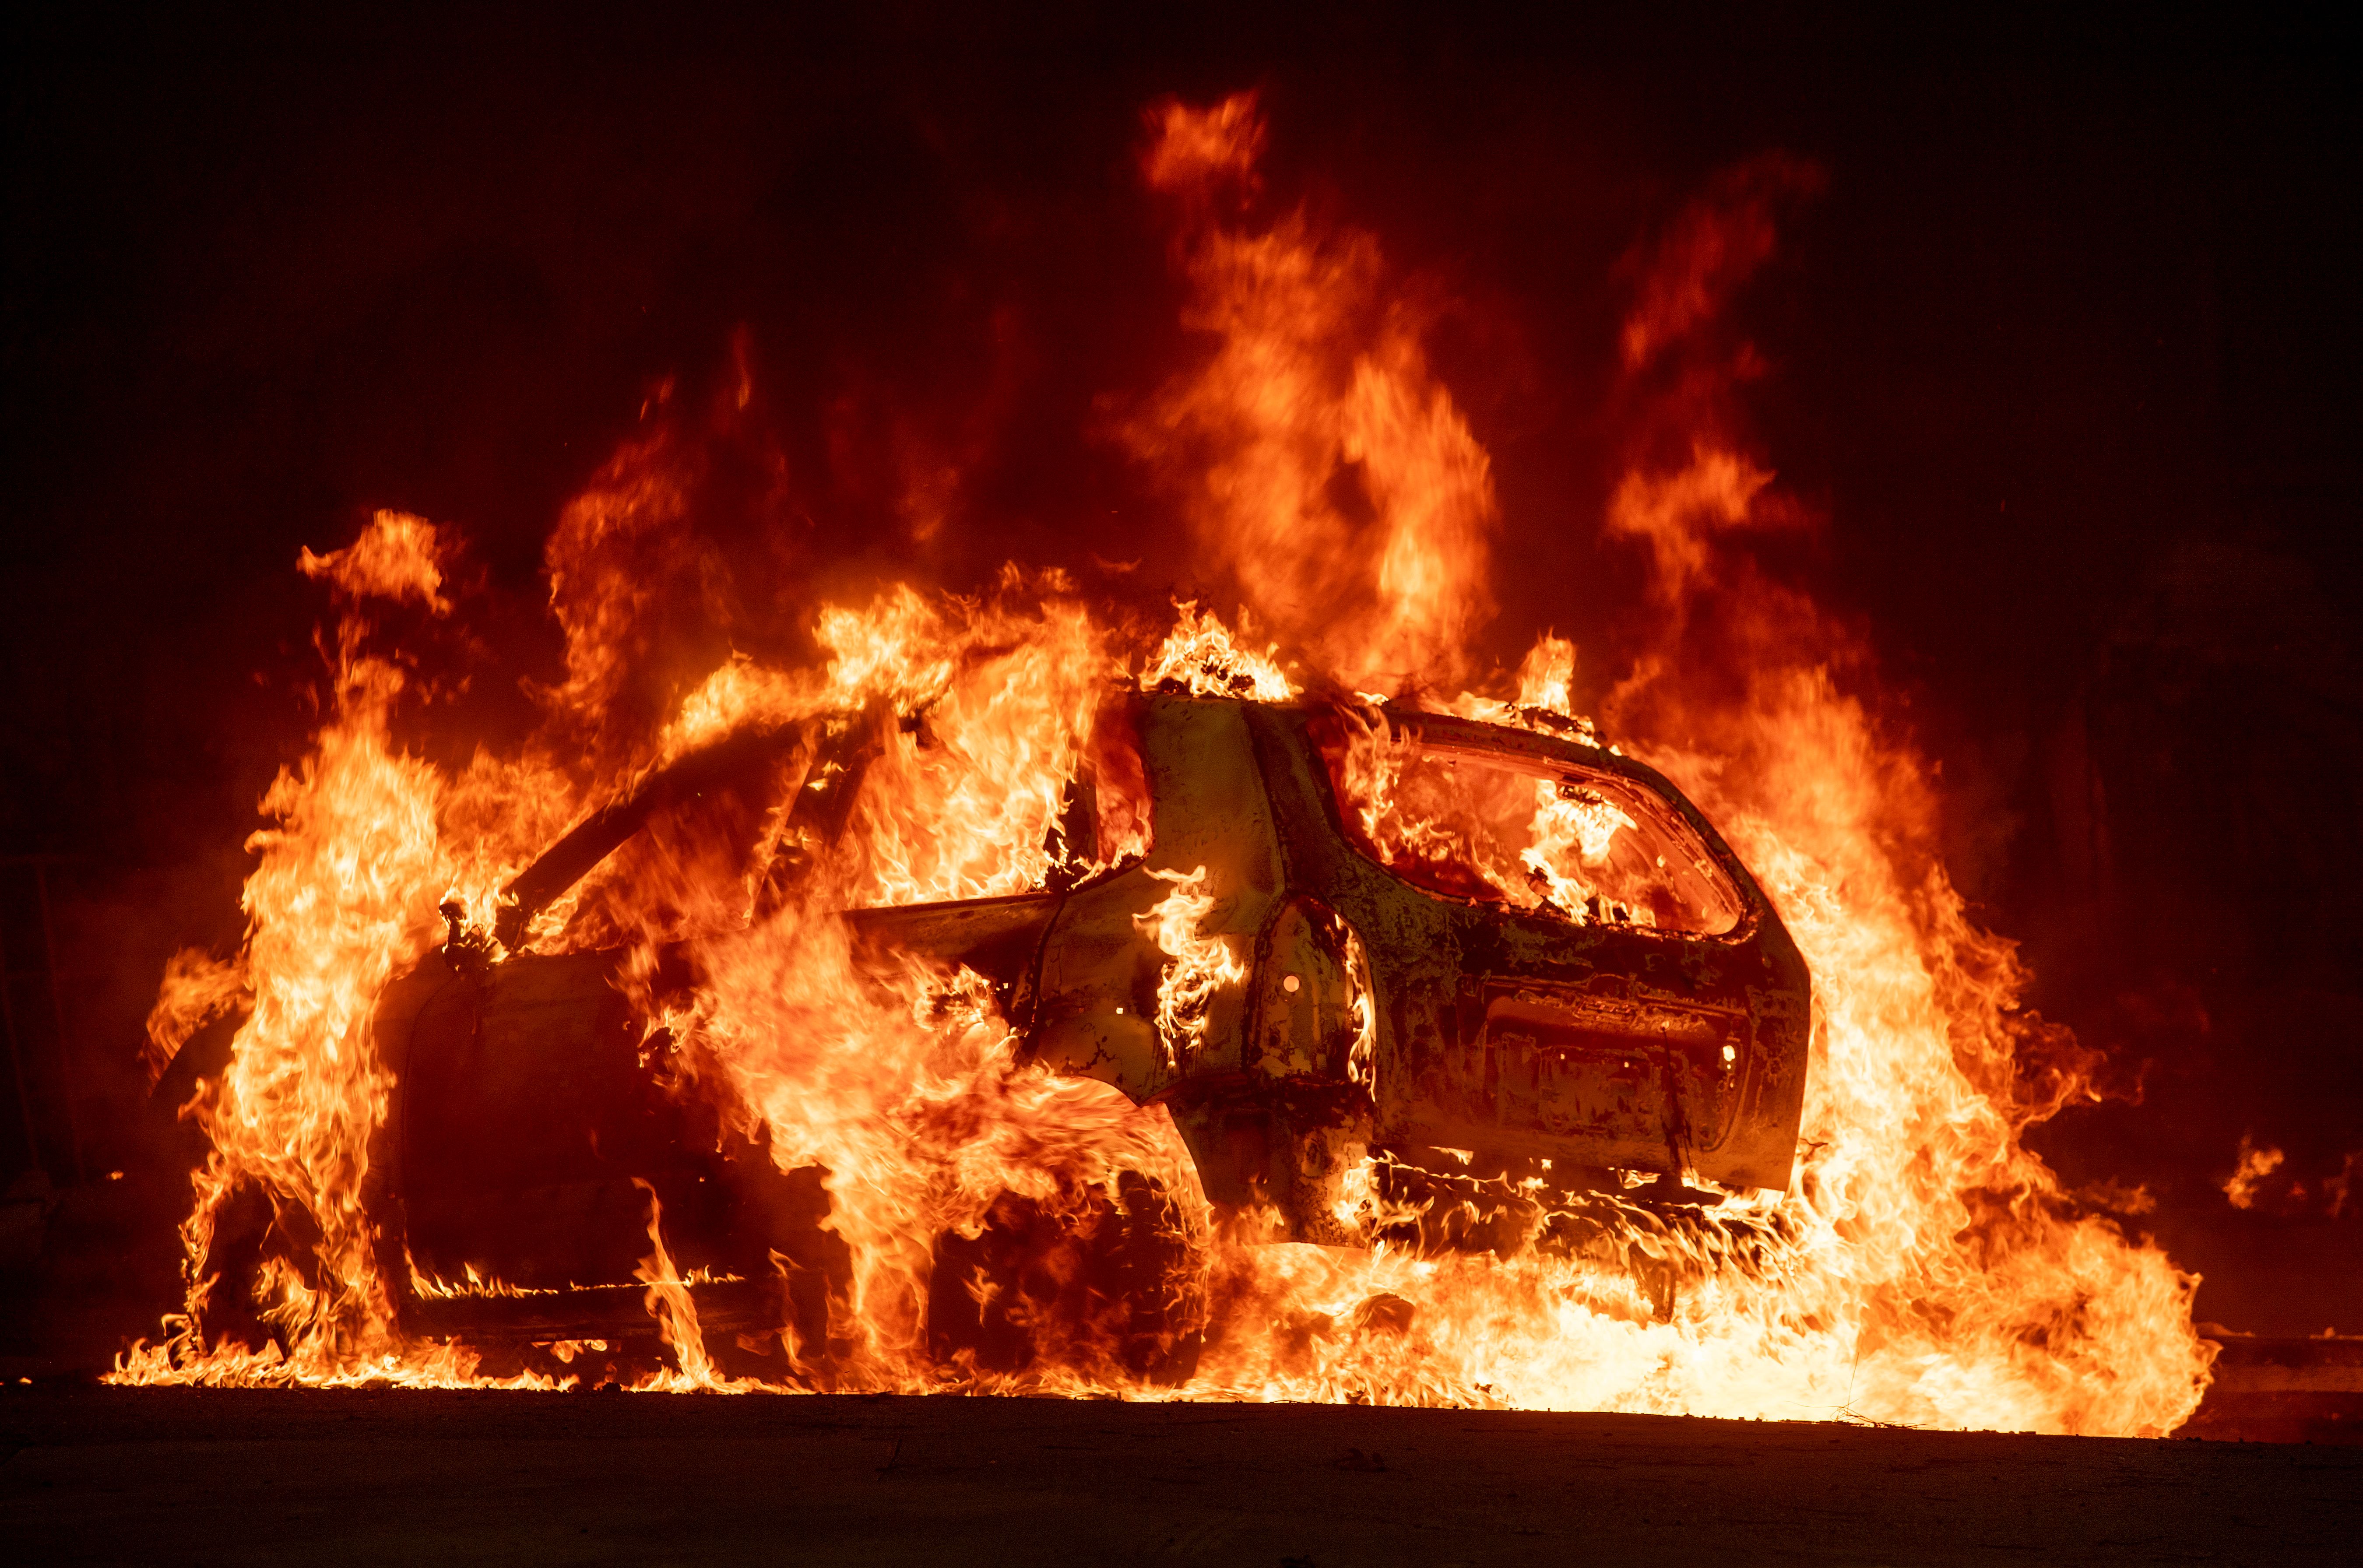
1579	844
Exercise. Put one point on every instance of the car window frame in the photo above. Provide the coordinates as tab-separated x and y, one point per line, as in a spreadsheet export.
1480	740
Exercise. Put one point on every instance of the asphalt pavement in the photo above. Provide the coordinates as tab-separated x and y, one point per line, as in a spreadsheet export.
96	1474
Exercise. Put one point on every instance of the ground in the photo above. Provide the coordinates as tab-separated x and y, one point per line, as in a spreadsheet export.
92	1475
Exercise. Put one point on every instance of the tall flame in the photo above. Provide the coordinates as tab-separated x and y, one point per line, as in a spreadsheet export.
674	1309
1319	458
1926	1267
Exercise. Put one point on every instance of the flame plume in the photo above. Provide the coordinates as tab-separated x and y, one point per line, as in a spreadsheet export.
1317	453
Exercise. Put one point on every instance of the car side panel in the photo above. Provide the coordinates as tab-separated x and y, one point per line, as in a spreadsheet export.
1096	1008
1592	1045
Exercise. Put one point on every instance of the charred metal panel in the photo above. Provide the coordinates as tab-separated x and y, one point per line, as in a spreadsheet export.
527	1114
1302	1019
1287	1145
1096	1014
529	1100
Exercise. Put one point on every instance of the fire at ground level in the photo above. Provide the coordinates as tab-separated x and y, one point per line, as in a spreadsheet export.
211	1476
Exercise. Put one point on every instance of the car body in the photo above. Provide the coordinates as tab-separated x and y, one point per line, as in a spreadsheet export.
1375	1009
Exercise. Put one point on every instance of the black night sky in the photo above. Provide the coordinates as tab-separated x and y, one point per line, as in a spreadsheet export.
2063	358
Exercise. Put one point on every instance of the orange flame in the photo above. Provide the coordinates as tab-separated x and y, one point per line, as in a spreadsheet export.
675	1310
1196	964
2255	1167
395	557
1319	458
198	988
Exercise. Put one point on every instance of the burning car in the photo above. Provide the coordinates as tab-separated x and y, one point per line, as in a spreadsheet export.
1490	973
958	987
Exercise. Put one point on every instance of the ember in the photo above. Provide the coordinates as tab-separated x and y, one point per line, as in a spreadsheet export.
1016	995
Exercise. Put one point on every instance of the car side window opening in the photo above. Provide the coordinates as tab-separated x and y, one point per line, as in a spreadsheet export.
1579	844
853	811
